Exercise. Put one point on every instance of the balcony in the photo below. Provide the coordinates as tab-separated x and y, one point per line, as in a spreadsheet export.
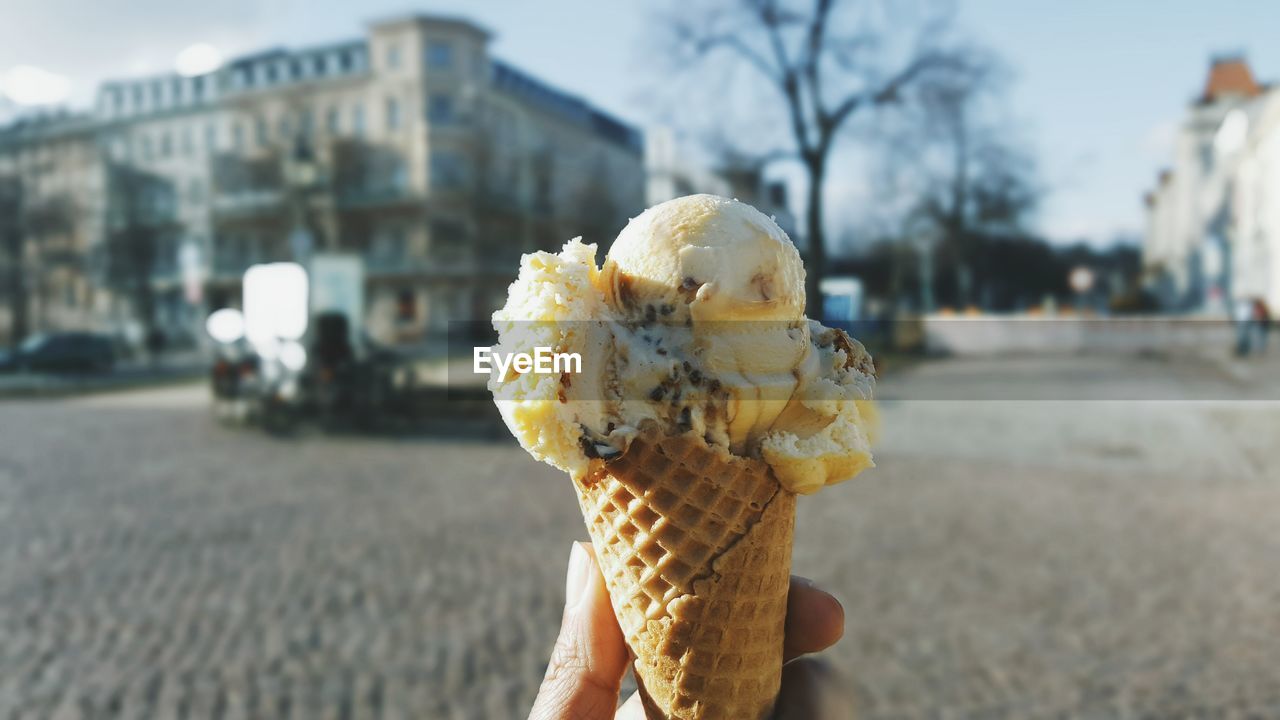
249	204
377	198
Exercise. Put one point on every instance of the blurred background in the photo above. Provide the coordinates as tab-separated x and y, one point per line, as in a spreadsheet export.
246	246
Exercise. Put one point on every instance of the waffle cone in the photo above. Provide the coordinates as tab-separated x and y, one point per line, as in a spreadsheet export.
695	546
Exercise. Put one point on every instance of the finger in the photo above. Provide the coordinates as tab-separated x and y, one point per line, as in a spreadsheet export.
815	619
590	656
813	690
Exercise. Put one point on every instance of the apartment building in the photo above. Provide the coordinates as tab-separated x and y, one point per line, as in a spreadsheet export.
412	147
1213	219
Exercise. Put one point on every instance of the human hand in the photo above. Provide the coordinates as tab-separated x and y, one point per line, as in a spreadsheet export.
590	657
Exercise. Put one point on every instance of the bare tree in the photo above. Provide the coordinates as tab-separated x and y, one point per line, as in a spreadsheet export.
13	239
51	223
140	224
826	60
955	166
29	227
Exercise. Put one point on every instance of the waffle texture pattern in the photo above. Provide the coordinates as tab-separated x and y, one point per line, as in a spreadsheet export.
695	545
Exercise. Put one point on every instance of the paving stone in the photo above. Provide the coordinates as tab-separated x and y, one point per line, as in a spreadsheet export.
156	565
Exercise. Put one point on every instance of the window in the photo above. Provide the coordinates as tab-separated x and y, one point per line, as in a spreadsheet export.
406	305
543	179
399	175
448	240
210	137
144	147
306	122
344	61
440	109
237	136
393	57
447	170
295	69
269	71
439	55
285	128
188	141
357	120
195	191
389	249
260	131
166	144
334	120
393	114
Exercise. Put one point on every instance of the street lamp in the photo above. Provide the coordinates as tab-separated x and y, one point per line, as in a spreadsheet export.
923	236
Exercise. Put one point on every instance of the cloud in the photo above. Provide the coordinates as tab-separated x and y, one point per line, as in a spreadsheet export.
143	34
198	59
31	85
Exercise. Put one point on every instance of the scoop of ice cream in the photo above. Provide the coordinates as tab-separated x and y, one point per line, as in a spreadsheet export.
554	303
705	256
695	322
735	274
823	435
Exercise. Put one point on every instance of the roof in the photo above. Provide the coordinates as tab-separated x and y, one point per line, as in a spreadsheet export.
1229	76
454	21
519	84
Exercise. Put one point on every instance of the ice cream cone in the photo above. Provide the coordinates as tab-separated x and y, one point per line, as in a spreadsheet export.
695	546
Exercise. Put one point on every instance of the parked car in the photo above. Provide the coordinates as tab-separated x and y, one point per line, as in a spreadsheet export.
61	352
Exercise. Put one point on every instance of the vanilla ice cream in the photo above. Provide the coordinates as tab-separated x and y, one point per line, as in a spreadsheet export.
706	257
695	321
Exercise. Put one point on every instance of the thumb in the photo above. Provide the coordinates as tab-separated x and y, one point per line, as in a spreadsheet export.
590	656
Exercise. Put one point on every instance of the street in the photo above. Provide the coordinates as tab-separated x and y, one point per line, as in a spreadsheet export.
1007	559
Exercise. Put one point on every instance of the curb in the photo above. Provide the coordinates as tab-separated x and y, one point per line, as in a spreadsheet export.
76	388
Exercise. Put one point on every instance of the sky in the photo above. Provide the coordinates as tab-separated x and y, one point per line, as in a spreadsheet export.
1099	88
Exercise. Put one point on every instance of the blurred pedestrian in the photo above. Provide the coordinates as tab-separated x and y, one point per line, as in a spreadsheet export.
1261	323
1243	317
590	657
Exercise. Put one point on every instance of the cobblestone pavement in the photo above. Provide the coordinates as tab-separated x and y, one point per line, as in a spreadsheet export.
1006	560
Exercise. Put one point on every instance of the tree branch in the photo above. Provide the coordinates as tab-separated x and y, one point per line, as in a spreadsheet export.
772	21
706	44
813	59
888	92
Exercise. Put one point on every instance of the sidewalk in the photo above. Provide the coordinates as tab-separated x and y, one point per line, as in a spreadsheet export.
1260	374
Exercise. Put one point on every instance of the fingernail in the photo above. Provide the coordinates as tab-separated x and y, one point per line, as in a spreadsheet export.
798	580
579	576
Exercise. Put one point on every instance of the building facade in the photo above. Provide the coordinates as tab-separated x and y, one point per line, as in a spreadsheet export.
1212	237
412	147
